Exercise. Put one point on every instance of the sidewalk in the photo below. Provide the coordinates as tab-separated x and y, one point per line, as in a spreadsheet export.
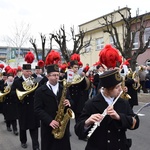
144	97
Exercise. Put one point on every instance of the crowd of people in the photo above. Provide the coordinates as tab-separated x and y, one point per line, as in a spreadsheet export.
48	98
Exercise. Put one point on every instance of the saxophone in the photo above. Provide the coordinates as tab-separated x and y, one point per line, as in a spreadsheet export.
62	117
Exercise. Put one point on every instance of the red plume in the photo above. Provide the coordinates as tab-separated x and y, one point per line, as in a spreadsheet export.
7	68
41	63
11	71
63	66
19	68
29	57
109	56
75	57
86	68
53	58
1	66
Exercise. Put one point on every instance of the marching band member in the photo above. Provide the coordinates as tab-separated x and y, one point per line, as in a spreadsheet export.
78	92
10	105
111	134
119	117
26	116
48	99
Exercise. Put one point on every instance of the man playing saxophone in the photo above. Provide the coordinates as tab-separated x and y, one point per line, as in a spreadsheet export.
46	106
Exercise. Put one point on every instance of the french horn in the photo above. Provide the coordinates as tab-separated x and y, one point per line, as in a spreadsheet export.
6	91
29	86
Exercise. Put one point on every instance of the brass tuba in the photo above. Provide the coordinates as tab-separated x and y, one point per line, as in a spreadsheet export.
29	86
61	116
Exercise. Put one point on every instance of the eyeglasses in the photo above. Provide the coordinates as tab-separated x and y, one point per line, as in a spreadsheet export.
54	75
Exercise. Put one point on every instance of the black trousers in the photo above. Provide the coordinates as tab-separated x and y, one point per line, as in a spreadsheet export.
34	137
13	123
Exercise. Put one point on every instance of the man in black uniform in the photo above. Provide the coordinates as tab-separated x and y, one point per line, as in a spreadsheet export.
79	91
47	99
27	118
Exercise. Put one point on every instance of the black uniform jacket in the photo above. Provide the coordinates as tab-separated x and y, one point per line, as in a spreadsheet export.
132	92
46	106
27	118
110	135
10	107
78	94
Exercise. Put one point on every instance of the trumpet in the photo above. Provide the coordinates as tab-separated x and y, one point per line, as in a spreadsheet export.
29	86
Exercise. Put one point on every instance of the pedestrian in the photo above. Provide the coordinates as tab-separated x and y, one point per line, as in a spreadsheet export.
111	134
47	99
26	116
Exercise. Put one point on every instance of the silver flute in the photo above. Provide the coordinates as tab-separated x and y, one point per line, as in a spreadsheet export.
96	124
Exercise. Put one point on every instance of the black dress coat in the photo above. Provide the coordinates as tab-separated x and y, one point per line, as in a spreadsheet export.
79	95
46	106
26	115
1	89
10	107
111	134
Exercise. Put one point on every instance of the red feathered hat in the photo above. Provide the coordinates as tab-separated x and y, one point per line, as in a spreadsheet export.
63	67
19	68
7	68
11	72
74	59
41	63
110	57
29	57
53	58
1	67
86	68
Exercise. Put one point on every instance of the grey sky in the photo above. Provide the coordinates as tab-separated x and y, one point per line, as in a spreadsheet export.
46	16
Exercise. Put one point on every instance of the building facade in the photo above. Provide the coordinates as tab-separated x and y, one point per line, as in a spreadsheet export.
95	29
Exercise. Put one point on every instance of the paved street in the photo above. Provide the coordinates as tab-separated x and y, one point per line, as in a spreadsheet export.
140	137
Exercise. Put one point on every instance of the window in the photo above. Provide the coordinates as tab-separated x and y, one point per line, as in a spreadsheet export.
146	35
111	40
99	43
87	47
136	40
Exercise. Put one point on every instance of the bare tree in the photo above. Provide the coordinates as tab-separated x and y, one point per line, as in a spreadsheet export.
19	36
139	23
43	41
61	39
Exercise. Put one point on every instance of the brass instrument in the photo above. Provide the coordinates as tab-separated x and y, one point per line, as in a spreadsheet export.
124	94
6	91
62	117
29	85
135	75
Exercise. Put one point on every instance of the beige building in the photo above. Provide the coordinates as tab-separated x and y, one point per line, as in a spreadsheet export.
94	29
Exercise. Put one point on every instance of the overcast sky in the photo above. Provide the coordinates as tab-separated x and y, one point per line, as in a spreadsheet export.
46	16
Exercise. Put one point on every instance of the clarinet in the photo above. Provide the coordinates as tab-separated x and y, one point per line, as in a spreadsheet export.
96	124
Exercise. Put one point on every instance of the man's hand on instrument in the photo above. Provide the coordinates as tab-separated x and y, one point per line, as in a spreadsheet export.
112	113
92	119
54	124
67	102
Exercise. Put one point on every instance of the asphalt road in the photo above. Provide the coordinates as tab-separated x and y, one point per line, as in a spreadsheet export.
140	137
